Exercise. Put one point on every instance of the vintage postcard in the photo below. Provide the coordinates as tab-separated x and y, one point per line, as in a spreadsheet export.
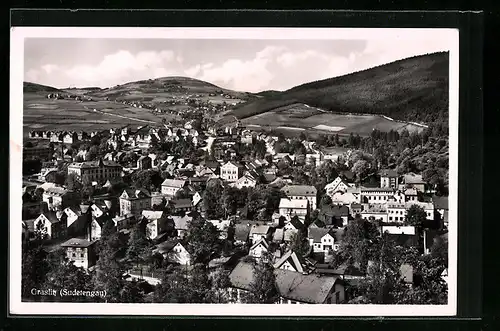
217	171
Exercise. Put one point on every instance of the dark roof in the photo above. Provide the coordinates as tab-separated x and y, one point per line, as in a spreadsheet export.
181	203
290	284
299	190
440	202
77	242
296	223
388	173
335	211
52	217
241	232
137	193
317	233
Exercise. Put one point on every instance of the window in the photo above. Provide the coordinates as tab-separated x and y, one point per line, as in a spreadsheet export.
82	255
73	254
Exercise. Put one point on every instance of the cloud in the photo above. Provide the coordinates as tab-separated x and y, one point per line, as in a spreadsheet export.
32	75
113	69
49	68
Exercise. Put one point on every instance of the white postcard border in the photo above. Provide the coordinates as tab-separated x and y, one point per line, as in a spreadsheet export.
17	307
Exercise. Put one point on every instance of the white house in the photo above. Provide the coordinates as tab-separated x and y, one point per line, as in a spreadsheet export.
292	262
231	171
259	248
396	212
171	186
337	185
156	223
174	252
290	208
246	180
52	224
321	240
301	192
257	232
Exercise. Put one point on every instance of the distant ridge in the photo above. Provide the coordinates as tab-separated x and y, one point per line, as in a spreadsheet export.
412	89
33	87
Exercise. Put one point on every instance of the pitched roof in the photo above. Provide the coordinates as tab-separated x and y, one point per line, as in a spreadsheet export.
279	235
241	232
412	178
317	233
259	229
52	217
296	223
94	164
181	223
336	211
77	242
137	193
181	203
56	191
295	260
299	190
304	288
262	241
388	173
290	284
178	183
152	214
166	246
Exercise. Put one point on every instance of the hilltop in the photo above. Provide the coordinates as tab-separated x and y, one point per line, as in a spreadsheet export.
412	89
175	85
33	88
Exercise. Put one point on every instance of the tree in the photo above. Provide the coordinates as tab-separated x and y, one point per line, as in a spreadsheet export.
326	200
439	250
131	293
138	244
220	285
34	270
202	239
263	288
38	194
109	270
73	183
416	216
299	243
174	287
360	168
65	275
93	153
358	240
147	179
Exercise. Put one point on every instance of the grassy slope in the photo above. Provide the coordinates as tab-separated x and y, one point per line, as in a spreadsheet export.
34	88
166	85
414	89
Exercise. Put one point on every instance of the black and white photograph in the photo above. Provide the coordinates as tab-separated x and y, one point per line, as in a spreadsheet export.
216	171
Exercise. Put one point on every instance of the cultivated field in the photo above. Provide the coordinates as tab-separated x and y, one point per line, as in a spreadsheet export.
302	117
68	114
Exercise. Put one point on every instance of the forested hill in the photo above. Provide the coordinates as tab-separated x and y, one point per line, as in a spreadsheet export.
412	89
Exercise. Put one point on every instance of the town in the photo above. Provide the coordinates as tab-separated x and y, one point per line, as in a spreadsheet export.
201	211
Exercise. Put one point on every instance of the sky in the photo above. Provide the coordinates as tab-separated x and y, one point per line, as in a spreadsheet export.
250	65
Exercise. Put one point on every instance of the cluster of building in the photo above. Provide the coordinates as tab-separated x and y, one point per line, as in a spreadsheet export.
63	217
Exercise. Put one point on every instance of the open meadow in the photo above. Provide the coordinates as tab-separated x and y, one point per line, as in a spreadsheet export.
299	117
69	114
